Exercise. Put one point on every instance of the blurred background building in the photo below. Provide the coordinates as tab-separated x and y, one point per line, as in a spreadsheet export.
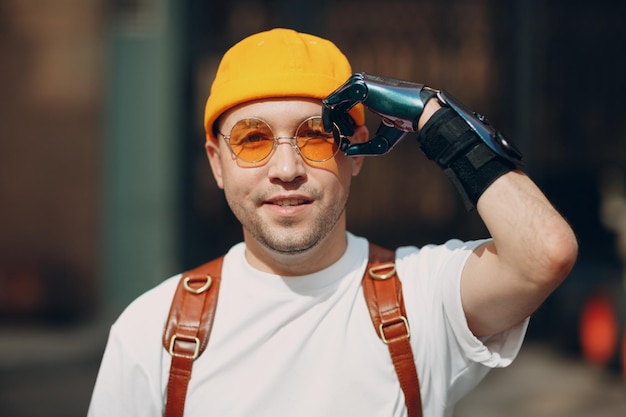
105	189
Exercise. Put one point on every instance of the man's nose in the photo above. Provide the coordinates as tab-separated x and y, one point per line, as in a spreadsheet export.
286	163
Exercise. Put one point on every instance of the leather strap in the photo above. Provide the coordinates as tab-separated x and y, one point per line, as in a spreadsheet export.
193	309
383	295
188	328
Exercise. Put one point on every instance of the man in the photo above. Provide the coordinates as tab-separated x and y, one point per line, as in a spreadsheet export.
292	335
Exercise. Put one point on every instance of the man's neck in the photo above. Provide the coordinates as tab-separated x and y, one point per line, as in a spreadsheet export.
316	258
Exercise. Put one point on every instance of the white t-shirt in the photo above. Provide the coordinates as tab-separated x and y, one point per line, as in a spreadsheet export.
305	346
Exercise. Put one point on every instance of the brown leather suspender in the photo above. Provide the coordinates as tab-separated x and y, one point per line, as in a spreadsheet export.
188	328
383	294
191	316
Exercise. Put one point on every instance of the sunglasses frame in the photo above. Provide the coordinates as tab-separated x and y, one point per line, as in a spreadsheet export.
342	140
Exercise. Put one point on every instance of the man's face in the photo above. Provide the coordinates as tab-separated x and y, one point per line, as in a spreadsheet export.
286	204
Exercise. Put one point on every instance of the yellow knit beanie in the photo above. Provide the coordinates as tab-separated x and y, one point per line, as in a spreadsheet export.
277	63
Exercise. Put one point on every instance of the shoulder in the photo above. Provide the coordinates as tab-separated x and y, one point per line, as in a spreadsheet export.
436	259
432	273
431	278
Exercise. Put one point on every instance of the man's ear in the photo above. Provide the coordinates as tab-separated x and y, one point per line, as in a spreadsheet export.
361	135
215	159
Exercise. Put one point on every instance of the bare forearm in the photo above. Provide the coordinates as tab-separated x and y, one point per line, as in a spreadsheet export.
532	251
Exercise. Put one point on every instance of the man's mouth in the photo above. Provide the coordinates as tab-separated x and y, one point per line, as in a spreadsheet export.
290	202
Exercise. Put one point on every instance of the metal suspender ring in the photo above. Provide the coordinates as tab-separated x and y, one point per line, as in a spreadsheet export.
201	289
383	272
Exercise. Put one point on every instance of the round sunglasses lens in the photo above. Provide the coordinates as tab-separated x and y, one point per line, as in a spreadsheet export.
314	142
251	140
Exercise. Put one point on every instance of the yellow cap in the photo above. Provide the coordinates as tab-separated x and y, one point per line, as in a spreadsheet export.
277	63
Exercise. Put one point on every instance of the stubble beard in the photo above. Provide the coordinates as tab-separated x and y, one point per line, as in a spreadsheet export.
286	238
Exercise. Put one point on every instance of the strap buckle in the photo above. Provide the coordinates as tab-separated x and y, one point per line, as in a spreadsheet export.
185	339
381	328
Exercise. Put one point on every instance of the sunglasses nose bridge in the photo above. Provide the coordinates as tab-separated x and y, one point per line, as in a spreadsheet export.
287	140
277	139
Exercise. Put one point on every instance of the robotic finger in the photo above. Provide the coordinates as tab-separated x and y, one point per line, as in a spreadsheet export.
383	142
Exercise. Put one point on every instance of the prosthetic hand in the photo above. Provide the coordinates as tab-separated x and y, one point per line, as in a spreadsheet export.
463	143
398	103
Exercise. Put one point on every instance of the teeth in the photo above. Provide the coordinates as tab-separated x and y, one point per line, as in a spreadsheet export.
287	203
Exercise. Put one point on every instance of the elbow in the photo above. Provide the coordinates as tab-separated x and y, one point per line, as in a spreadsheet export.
559	253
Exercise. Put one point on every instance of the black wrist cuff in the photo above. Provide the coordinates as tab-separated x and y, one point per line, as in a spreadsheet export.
469	162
